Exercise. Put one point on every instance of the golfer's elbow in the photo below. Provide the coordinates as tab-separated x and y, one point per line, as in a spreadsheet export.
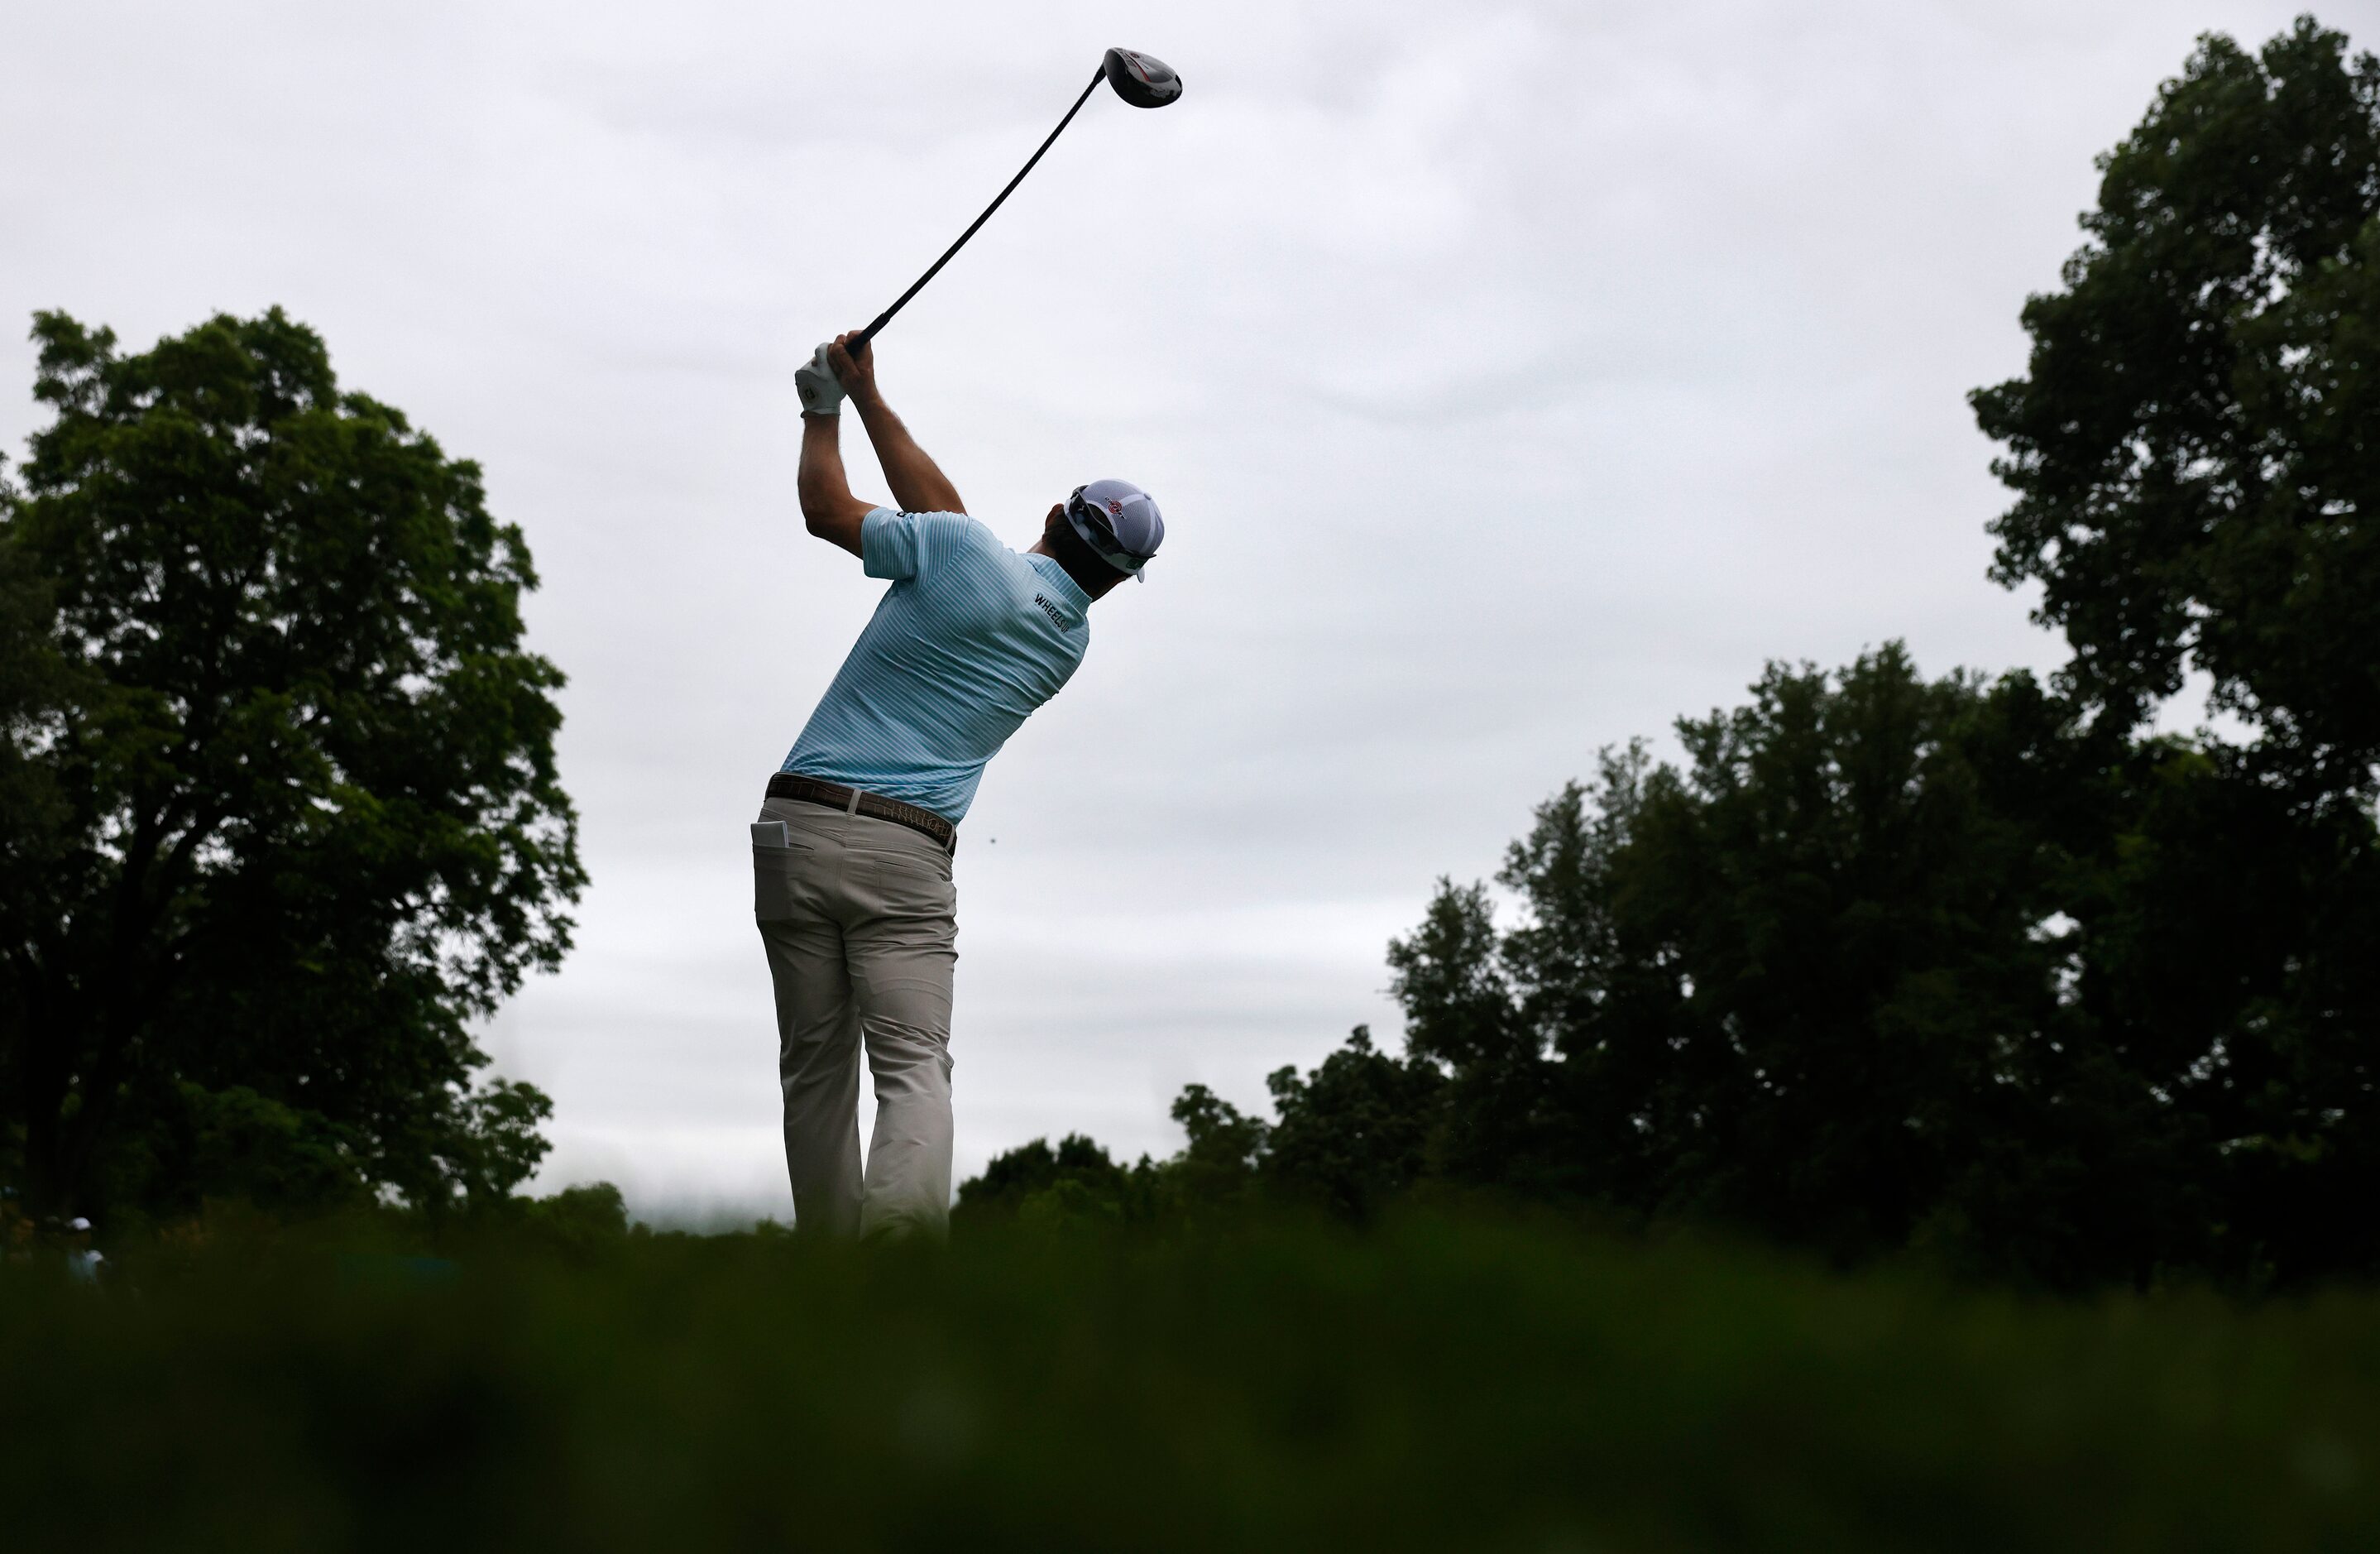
816	515
835	518
821	505
834	529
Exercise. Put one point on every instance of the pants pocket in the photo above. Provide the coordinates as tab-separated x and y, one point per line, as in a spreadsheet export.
776	892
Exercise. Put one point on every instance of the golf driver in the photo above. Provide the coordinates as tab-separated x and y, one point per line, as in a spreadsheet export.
1139	79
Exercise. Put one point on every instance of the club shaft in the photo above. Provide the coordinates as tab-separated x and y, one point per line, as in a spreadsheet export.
885	317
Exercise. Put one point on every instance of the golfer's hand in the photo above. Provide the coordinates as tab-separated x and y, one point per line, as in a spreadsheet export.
815	381
858	376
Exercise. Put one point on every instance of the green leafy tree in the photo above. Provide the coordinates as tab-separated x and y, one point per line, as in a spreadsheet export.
288	774
1220	1165
2223	962
2195	453
1075	1185
34	681
1841	899
1355	1134
1797	986
1458	999
2195	446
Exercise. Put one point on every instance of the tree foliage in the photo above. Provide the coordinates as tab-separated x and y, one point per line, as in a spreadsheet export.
1355	1135
1810	984
2195	446
277	797
2193	449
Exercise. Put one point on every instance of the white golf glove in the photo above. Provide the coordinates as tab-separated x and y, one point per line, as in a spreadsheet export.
820	390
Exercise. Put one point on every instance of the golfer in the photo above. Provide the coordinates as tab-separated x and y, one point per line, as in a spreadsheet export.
851	855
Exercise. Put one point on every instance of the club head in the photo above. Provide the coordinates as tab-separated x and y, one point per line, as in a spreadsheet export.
1141	80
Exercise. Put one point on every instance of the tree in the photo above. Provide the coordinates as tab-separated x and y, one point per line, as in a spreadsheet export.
35	680
2195	453
2195	446
289	774
1798	985
1458	1018
1218	1167
1015	1177
1356	1133
1844	899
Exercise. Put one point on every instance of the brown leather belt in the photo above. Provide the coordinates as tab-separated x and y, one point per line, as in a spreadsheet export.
834	795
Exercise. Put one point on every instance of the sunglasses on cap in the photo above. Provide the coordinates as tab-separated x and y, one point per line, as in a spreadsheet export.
1102	533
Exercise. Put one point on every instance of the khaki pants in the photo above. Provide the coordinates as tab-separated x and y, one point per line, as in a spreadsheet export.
859	918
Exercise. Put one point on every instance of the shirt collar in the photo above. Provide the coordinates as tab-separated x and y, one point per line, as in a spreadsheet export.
1059	578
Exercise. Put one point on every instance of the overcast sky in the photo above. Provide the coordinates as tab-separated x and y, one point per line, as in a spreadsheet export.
1514	378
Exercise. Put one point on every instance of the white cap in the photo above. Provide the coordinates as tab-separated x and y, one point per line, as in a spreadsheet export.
77	1223
1118	521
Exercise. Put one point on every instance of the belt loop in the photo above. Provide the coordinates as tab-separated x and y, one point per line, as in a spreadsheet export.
853	807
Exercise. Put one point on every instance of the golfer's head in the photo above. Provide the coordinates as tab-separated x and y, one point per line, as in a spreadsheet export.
1116	521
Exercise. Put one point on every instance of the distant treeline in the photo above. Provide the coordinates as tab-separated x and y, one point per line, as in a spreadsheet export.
1984	970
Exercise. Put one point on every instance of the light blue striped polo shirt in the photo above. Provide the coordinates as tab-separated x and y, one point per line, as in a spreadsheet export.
968	640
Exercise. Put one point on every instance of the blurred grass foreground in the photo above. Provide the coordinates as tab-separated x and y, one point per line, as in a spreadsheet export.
1435	1382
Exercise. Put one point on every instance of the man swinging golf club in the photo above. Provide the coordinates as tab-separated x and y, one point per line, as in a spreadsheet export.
851	855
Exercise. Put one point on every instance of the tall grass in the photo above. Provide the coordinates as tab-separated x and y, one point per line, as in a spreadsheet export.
1435	1384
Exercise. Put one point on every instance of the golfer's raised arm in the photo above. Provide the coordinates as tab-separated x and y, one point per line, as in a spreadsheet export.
829	509
918	484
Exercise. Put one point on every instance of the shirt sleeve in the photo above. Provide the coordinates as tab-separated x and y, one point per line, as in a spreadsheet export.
897	546
887	544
